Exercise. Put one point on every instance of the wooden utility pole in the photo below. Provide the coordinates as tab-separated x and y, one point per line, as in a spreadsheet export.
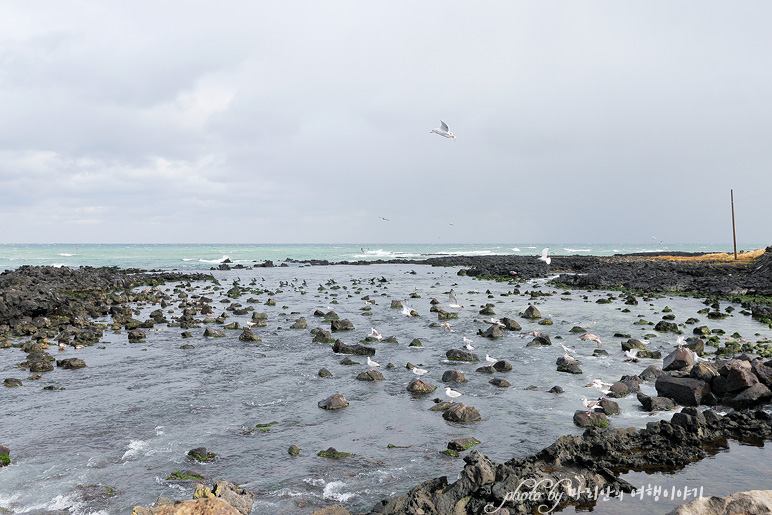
734	231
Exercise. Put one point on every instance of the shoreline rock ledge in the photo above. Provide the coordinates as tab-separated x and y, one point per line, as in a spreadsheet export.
570	470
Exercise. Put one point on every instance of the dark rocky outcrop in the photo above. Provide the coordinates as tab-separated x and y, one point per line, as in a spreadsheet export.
341	348
593	460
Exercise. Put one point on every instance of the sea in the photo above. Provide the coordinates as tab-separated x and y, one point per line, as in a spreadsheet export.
113	433
203	256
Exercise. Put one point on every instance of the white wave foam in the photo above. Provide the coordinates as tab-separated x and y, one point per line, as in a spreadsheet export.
57	265
64	254
135	447
577	250
222	259
57	504
515	249
332	491
187	259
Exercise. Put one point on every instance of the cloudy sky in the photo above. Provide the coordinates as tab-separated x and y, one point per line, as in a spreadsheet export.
308	121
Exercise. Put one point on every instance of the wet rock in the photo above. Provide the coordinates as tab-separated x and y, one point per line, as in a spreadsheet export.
703	371
502	366
293	450
651	373
335	509
248	336
70	363
332	452
753	501
499	382
320	335
341	348
136	336
453	376
300	323
348	361
750	397
739	376
678	359
213	333
763	373
531	312
461	413
487	369
511	325
203	506
609	407
419	386
540	339
568	364
633	343
686	391
655	403
663	326
462	444
323	372
415	343
5	458
370	375
12	381
240	498
333	402
442	406
590	419
461	355
341	325
201	454
493	331
556	389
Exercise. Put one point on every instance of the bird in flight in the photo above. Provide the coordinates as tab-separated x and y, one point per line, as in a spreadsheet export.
544	257
385	219
444	131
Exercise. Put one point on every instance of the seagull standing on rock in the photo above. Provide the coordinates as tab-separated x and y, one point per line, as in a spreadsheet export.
371	363
419	371
444	131
453	394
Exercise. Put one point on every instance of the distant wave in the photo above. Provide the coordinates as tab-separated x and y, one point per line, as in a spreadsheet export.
57	265
515	249
187	259
380	253
64	254
213	260
577	250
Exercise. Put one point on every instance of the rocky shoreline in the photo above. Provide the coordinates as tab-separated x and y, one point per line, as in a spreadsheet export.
59	304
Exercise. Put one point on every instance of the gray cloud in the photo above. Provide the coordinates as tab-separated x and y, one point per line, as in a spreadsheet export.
306	122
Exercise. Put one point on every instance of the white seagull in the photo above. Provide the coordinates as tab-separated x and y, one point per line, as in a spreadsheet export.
591	405
544	257
443	131
567	349
371	363
453	394
375	334
591	337
632	353
490	359
600	385
419	371
453	301
468	343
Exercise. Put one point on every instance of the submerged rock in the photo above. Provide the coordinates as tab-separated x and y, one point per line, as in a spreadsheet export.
333	402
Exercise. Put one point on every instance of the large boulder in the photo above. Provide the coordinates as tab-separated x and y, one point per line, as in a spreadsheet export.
510	325
494	331
590	419
686	391
739	376
655	403
750	397
678	359
70	363
202	506
238	497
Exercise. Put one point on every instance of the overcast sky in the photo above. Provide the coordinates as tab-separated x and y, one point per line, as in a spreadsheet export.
308	121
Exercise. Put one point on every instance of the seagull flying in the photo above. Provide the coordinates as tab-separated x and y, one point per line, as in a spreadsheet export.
544	257
600	385
443	131
375	334
590	336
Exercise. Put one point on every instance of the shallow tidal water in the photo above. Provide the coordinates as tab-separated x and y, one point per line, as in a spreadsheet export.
127	420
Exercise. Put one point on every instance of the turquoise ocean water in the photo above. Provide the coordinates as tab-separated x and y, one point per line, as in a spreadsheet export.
204	256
